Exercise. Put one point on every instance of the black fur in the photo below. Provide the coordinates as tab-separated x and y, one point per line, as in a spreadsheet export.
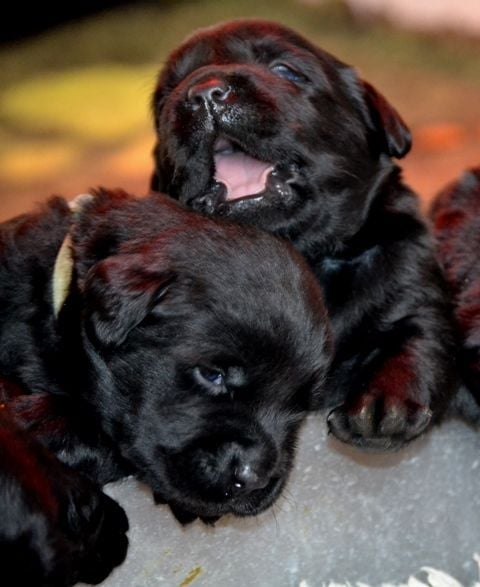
57	527
187	352
262	91
456	217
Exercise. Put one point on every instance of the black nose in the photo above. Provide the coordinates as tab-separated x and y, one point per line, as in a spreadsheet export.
211	91
245	479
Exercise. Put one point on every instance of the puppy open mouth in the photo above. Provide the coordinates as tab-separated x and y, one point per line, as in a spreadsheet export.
241	174
241	181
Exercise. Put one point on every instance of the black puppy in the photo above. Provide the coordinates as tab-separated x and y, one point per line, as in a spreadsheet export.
256	124
153	341
456	217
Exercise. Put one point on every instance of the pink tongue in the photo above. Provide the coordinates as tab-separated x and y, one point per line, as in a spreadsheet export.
242	175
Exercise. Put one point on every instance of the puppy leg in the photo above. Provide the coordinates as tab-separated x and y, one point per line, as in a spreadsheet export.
57	528
393	395
456	221
386	415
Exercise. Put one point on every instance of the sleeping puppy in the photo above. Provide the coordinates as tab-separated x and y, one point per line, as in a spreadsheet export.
456	217
257	125
155	342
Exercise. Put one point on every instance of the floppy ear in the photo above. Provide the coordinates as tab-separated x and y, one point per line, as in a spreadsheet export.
119	292
389	133
387	122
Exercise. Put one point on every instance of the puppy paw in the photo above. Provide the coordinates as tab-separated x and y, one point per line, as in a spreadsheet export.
107	543
58	527
378	422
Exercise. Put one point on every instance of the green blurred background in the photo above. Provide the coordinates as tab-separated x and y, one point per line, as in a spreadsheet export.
74	99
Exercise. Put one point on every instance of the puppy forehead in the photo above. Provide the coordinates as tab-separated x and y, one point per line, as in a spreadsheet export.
269	351
247	42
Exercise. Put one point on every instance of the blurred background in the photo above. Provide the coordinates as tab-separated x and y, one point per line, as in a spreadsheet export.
75	83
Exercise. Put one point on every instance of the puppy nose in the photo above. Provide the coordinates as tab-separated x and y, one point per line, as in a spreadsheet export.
244	477
211	91
244	480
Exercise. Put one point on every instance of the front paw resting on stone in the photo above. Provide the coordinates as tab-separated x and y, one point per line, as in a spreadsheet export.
389	413
378	422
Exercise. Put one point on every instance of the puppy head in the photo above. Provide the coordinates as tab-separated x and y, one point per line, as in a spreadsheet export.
208	345
256	123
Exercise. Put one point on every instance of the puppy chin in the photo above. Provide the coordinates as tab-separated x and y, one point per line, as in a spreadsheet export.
187	508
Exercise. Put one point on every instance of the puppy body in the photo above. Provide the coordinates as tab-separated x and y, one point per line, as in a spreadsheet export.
57	527
256	124
187	351
456	219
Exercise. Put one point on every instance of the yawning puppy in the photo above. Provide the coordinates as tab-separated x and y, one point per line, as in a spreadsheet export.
153	341
456	217
257	125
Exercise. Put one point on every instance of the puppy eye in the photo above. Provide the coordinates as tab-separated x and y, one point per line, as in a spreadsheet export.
211	379
288	73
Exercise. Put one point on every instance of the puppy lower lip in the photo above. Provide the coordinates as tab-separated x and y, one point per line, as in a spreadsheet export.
275	184
233	201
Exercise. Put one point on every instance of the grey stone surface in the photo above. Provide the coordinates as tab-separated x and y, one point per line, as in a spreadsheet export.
345	516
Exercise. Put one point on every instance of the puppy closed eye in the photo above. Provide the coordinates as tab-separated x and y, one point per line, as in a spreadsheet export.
289	73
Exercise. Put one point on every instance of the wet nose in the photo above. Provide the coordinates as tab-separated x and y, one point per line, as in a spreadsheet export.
211	91
245	479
